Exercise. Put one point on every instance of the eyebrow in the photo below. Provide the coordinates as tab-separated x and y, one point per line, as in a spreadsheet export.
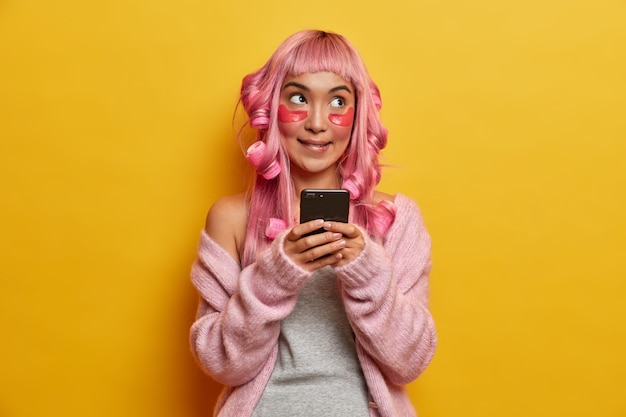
305	88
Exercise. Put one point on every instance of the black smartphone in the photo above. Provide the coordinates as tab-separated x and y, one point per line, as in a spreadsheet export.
331	205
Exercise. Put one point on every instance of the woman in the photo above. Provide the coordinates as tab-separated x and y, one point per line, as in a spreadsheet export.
334	323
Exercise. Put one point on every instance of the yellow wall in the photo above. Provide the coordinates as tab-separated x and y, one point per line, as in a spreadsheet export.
507	124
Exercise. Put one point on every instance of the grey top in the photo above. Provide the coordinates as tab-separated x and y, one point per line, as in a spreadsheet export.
317	372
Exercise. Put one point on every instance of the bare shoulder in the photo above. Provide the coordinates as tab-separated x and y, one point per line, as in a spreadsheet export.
226	223
380	196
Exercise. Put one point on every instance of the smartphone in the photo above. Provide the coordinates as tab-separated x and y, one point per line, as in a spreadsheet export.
331	205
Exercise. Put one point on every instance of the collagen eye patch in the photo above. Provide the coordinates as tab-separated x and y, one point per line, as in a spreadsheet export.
344	119
289	116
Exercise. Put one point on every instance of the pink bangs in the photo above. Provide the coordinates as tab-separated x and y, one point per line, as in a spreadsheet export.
321	51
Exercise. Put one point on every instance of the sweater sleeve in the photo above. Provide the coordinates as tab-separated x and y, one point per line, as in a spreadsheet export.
239	315
385	293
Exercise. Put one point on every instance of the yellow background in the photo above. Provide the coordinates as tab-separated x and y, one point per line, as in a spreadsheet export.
508	126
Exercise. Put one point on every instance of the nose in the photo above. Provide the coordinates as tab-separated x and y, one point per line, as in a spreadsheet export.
317	120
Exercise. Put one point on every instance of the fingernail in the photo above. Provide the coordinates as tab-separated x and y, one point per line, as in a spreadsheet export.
337	235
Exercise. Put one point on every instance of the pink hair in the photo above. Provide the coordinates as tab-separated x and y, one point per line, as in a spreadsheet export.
272	195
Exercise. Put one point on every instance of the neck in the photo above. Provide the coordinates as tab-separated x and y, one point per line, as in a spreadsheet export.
326	181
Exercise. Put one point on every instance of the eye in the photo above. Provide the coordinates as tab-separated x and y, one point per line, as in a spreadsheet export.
297	98
337	102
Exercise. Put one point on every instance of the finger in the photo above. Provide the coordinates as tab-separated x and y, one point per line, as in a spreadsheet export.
306	228
326	249
346	229
318	263
309	242
302	229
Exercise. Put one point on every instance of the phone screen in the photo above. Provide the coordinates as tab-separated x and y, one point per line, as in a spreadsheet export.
331	205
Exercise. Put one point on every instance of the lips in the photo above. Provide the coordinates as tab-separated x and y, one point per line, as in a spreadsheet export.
317	146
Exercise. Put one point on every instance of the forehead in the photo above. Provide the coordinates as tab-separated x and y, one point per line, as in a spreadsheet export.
321	81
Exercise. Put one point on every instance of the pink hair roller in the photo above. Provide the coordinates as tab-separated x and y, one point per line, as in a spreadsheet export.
385	215
274	227
272	171
351	186
259	119
255	154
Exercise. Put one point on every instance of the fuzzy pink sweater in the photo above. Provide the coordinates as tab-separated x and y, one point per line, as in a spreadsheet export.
384	291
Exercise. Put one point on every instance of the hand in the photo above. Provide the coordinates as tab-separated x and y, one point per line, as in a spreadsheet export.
354	242
314	251
340	244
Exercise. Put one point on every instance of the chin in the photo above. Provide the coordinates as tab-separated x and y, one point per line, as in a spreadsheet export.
313	168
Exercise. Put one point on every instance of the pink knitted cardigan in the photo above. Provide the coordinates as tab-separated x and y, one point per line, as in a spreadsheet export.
385	294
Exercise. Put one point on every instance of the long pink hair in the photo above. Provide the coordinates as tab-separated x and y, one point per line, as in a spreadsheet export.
273	194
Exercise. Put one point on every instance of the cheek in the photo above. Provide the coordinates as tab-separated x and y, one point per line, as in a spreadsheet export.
343	120
289	116
289	129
